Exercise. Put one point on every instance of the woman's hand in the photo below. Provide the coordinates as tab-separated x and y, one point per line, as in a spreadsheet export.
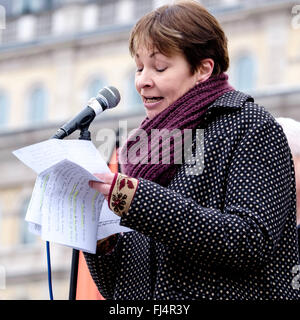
103	187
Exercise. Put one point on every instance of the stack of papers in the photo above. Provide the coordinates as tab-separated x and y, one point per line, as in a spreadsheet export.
63	208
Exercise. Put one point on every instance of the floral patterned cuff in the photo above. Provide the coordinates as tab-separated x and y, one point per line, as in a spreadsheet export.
121	193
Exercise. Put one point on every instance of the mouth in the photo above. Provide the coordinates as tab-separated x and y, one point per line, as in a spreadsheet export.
151	99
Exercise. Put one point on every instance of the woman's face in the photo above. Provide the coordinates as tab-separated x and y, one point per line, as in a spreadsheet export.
161	80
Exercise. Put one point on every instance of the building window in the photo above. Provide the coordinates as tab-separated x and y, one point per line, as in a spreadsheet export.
35	5
93	87
9	34
38	105
107	13
44	24
245	73
4	109
133	99
20	7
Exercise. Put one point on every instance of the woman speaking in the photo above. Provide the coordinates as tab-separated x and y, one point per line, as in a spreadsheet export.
224	228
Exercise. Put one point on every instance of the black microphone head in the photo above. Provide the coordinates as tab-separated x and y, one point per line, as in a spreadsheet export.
110	96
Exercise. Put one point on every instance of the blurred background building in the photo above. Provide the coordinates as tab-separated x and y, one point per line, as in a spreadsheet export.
56	54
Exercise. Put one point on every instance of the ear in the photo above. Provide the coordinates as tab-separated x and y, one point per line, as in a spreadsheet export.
205	70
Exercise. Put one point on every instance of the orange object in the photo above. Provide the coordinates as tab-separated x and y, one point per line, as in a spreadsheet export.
86	288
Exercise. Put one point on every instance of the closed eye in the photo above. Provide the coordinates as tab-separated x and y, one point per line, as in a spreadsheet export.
158	70
161	70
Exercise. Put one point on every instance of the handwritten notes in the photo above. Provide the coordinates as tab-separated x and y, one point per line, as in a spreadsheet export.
63	208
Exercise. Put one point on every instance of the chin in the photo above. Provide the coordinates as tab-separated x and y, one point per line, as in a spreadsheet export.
150	115
153	113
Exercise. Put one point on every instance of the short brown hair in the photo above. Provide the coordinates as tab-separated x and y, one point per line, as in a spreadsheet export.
184	27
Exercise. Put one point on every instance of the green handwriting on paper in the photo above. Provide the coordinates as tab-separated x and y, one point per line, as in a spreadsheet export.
72	196
45	181
74	212
93	206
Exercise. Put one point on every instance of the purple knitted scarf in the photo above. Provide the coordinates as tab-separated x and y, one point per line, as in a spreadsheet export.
145	153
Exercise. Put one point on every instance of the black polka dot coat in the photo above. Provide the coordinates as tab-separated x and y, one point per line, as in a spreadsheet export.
227	232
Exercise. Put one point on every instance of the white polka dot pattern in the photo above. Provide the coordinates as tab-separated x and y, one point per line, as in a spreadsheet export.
227	234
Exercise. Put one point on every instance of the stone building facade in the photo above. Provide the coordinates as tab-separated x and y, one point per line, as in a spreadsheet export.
55	55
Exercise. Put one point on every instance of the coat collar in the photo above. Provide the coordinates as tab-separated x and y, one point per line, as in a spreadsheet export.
231	99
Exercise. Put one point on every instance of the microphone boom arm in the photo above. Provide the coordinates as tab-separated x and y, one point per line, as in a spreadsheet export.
86	117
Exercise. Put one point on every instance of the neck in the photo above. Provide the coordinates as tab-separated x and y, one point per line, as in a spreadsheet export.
185	113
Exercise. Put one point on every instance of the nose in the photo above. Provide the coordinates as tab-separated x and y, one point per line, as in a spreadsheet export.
143	79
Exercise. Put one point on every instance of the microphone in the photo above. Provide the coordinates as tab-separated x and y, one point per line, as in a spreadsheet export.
107	98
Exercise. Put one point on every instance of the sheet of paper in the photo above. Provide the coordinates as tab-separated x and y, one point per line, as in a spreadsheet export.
109	223
70	210
43	155
34	210
63	208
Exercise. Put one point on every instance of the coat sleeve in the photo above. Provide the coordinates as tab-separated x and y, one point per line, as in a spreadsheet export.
104	269
243	235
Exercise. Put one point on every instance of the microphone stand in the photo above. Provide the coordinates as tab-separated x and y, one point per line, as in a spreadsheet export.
84	135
